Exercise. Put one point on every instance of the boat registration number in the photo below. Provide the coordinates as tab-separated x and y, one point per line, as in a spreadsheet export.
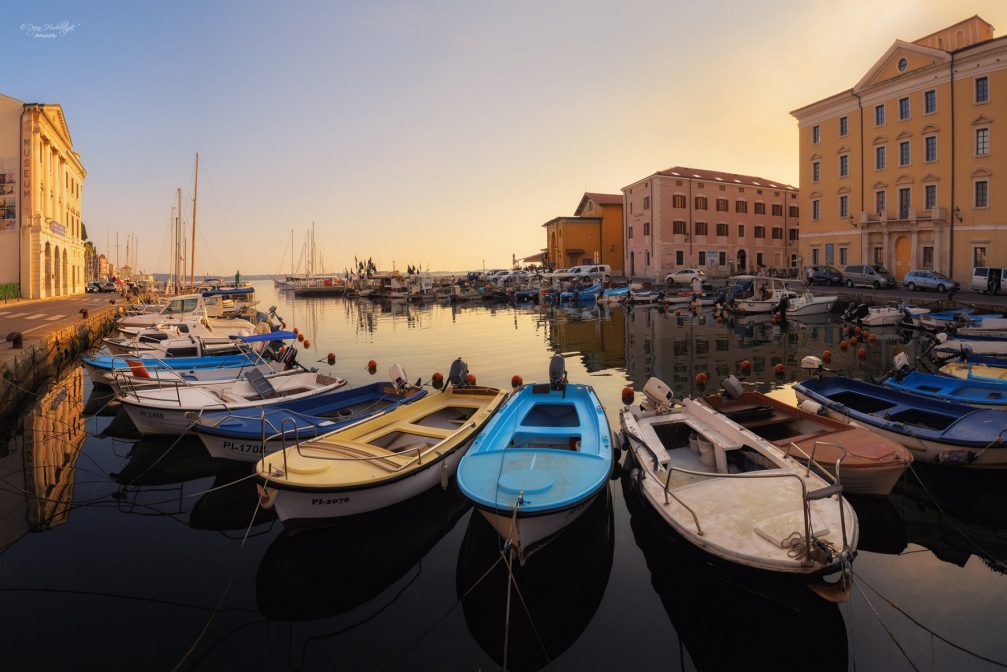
152	414
243	447
326	501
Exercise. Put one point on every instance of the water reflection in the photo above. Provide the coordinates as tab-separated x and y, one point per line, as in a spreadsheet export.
726	620
37	465
560	586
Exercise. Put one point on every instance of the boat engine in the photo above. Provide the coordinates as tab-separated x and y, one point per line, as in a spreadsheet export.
901	365
659	395
459	373
813	365
855	312
733	389
557	371
399	379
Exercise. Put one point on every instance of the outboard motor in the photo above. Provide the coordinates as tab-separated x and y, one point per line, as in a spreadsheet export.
659	396
733	388
782	307
289	358
901	365
557	372
459	373
399	379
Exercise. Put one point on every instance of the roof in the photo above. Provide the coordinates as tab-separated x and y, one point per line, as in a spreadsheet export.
565	219
600	199
727	178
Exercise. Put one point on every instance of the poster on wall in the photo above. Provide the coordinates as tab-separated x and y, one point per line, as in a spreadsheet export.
8	196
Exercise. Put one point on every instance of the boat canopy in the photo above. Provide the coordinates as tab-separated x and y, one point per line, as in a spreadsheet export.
271	336
229	290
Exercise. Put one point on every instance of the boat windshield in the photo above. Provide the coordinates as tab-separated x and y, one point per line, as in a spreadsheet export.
178	306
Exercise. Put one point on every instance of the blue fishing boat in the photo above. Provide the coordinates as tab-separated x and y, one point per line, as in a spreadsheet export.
586	294
940	432
615	294
946	318
241	435
540	461
972	391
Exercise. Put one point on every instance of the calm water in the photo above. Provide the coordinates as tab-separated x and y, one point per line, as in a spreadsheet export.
120	554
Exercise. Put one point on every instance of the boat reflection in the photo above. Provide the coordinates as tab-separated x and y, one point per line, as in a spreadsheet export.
882	529
726	620
37	464
561	584
228	504
361	557
162	460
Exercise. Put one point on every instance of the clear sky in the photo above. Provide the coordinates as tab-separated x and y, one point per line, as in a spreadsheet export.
427	132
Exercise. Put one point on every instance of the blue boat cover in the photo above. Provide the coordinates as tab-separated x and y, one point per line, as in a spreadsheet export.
970	391
544	450
272	336
152	362
232	290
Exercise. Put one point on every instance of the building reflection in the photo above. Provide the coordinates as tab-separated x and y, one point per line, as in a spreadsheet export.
38	463
597	334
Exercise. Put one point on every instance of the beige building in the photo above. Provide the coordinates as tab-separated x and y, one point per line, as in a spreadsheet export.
41	179
900	170
721	222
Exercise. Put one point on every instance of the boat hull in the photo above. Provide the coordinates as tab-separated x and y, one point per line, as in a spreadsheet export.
528	533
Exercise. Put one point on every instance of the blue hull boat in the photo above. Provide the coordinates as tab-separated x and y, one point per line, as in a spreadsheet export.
539	463
939	432
102	368
973	391
589	294
239	435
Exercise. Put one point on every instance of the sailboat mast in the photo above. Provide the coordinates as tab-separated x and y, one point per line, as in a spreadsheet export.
178	241
291	253
195	196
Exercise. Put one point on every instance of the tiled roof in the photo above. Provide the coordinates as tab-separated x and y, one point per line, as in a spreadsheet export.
724	178
604	199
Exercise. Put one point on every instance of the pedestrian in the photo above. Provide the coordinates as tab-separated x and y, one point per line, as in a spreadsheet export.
809	273
996	281
697	287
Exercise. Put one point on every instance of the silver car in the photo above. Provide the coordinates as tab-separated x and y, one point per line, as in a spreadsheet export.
921	278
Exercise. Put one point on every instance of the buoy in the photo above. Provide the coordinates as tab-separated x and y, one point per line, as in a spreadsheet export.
307	344
827	356
471	379
862	353
843	345
332	358
702	378
779	368
437	380
846	330
859	329
853	340
678	312
874	338
371	364
296	330
300	337
776	315
745	365
516	381
628	394
720	319
773	321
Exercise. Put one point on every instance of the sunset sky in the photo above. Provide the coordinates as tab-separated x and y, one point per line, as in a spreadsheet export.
432	133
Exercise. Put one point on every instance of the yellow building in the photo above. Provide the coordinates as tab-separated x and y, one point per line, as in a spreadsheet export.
900	169
41	180
592	236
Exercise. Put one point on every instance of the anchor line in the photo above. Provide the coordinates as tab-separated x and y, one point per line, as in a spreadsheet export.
512	581
884	626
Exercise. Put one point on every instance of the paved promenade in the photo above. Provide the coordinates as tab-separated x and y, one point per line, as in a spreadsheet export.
35	318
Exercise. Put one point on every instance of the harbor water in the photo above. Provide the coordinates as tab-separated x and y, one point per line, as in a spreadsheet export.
119	553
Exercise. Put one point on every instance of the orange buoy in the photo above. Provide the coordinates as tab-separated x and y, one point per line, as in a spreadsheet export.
843	345
858	329
874	338
437	380
307	344
702	378
862	353
296	330
628	394
471	379
773	321
779	368
283	349
678	312
827	356
300	337
745	365
720	319
516	381
332	358
137	368
371	364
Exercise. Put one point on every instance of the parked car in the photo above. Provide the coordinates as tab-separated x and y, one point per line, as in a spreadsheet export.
92	288
826	275
684	276
981	277
868	275
108	287
923	279
597	273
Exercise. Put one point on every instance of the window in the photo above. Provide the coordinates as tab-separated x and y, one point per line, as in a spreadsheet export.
722	260
702	258
629	233
816	209
777	233
842	256
777	210
904	153
879	201
816	134
741	206
679	257
646	202
982	141
844	206
631	207
722	205
905	199
879	157
815	256
701	202
760	208
816	171
930	148
678	201
904	108
741	230
722	230
646	228
930	196
978	256
903	64
679	227
794	211
794	234
699	228
930	101
879	115
879	255
928	256
982	194
844	126
760	232
844	165
982	90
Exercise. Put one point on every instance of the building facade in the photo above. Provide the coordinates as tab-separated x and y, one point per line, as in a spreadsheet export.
723	223
41	180
592	236
900	169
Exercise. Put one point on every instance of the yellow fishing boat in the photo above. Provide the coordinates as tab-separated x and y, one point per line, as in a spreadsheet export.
378	462
967	371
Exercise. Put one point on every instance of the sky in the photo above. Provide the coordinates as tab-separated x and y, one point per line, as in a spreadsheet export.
441	134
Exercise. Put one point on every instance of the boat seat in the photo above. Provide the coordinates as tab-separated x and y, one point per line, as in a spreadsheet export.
263	387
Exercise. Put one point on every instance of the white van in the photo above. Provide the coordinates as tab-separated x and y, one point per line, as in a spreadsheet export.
981	277
598	272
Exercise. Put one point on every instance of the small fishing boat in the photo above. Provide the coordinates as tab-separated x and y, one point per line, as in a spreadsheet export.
946	318
939	432
102	368
242	435
767	295
806	303
178	308
975	371
586	294
735	495
173	409
378	462
615	294
871	464
540	462
970	391
883	316
968	346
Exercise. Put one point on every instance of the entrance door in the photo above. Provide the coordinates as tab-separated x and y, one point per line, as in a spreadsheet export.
741	261
902	253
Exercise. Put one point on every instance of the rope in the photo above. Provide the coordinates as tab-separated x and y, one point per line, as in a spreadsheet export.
512	581
885	627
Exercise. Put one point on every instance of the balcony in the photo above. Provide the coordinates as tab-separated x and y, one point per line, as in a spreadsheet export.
903	215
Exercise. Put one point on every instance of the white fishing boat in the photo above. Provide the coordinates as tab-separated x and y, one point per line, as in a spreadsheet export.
806	303
179	308
173	409
884	316
766	297
735	495
187	339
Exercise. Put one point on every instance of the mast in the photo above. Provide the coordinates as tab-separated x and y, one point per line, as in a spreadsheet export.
195	196
291	253
178	241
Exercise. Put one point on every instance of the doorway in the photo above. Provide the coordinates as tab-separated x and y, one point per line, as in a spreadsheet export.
902	254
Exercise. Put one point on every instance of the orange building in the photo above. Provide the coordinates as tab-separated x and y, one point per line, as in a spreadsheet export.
592	236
